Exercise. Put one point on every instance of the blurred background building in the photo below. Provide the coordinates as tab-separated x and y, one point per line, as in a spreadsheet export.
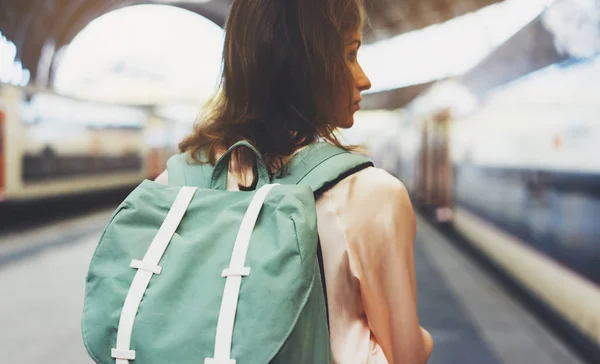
488	111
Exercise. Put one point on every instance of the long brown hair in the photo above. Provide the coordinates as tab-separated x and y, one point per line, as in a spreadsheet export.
284	77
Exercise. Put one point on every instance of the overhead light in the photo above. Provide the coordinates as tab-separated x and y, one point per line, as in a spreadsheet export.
186	1
447	49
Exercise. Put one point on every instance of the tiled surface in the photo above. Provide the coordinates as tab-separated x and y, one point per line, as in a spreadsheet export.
474	319
456	337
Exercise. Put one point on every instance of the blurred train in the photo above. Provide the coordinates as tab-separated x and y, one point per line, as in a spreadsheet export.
53	145
516	172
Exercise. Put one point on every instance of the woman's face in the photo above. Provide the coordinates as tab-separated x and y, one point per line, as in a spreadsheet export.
360	80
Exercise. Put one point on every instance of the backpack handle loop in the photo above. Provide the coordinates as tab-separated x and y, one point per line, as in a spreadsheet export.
219	175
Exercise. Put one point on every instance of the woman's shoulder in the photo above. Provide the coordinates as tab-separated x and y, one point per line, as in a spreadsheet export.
373	210
370	197
379	177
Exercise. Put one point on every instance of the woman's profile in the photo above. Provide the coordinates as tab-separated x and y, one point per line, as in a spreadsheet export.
291	77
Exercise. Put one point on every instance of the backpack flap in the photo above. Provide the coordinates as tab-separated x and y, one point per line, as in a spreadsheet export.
280	315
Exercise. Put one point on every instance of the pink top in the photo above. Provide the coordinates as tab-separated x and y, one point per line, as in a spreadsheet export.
367	229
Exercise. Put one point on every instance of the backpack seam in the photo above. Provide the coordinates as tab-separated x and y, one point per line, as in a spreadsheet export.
120	209
92	354
297	240
295	322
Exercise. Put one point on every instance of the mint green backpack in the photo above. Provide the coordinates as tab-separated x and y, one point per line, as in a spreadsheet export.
191	273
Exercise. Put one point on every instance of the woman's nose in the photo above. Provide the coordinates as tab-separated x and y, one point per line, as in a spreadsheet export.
362	82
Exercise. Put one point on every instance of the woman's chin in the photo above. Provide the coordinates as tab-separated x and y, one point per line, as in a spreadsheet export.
347	124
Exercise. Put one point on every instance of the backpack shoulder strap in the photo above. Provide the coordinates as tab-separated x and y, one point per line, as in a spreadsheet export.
322	165
183	171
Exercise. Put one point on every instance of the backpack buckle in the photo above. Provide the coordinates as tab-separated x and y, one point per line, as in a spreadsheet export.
236	272
138	264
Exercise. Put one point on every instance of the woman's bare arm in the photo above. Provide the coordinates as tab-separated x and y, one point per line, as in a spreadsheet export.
382	237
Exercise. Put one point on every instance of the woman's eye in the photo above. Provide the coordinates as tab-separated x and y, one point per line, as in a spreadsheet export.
352	55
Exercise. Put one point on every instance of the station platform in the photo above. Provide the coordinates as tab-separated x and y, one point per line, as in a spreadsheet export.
472	319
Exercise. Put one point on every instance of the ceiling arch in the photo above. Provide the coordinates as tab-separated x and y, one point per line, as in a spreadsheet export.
40	28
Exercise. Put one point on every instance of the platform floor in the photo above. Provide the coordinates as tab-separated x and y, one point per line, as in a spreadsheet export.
472	319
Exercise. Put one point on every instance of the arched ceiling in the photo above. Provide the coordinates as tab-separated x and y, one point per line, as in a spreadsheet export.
41	27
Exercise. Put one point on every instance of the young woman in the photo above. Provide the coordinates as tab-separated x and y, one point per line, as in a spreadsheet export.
291	77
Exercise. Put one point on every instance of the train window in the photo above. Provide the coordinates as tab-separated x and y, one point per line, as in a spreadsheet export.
2	181
1	132
2	117
50	166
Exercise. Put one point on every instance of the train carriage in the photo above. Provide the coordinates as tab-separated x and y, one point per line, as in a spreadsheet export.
519	177
53	145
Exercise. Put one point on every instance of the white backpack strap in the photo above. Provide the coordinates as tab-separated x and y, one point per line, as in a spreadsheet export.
145	270
233	283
